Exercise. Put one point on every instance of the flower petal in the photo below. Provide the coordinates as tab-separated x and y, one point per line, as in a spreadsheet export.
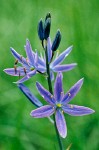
19	57
36	60
45	94
29	95
72	92
60	123
41	62
49	51
19	71
58	90
27	77
41	69
61	57
64	68
44	111
75	110
29	53
51	75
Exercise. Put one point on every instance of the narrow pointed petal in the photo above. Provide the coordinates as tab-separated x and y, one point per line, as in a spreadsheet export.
19	71
51	75
64	68
19	57
58	90
29	95
45	94
72	92
40	59
27	77
41	69
44	111
60	123
36	60
61	57
29	53
49	51
41	62
75	110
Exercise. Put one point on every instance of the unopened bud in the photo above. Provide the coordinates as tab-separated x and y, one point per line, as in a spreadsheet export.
40	30
56	41
47	26
48	16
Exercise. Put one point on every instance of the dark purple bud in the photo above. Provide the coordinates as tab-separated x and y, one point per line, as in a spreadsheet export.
40	30
56	41
47	26
48	16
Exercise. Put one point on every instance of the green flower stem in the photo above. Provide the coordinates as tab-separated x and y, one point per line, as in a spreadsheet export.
51	91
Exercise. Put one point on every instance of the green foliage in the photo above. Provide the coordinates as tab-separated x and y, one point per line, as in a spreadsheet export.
78	22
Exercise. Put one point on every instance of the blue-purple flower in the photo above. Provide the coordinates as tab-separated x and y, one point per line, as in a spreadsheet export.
35	64
58	104
29	65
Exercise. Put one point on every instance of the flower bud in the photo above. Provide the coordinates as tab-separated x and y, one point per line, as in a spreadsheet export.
40	30
48	16
56	41
47	26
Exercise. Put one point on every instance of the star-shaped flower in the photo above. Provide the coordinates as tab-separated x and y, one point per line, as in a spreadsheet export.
58	104
29	66
35	64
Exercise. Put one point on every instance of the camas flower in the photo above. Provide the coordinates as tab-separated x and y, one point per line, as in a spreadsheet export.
58	104
30	65
35	64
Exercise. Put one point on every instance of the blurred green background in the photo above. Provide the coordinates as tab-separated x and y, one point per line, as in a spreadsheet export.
79	25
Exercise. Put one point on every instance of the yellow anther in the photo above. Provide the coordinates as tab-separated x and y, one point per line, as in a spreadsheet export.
58	105
69	94
15	68
61	93
16	62
21	58
27	60
62	111
32	69
51	96
71	106
24	70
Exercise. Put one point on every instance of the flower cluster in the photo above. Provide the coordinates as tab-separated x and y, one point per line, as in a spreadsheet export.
58	103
